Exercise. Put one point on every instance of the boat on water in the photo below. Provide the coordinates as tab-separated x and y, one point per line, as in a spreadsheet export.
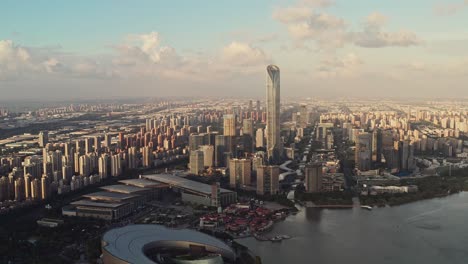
276	239
367	207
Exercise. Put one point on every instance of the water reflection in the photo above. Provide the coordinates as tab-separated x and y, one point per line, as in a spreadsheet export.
313	214
430	232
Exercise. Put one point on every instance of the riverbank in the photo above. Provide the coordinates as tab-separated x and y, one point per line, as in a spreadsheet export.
428	188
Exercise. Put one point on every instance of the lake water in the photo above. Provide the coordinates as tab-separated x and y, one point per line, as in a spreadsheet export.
431	232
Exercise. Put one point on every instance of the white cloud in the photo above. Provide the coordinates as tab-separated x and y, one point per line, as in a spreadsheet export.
347	66
243	54
331	32
373	35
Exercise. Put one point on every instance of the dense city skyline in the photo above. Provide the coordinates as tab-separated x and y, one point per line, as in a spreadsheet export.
325	48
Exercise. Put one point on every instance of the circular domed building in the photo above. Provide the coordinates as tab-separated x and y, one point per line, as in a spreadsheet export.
149	244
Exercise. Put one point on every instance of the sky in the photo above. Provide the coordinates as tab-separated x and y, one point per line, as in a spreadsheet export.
55	50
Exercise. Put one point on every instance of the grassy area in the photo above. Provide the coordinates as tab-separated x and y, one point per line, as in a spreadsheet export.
429	187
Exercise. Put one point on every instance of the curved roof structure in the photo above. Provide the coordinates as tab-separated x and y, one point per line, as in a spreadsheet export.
128	244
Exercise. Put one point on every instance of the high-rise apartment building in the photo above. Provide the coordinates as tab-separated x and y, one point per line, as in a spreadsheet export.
43	138
313	177
259	138
196	161
240	171
267	179
208	155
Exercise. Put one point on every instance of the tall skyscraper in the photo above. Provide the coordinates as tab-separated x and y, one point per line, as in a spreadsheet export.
220	148
363	151
274	148
229	125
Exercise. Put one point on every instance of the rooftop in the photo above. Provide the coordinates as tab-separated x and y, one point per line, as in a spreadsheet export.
109	196
143	183
120	188
128	243
184	183
85	202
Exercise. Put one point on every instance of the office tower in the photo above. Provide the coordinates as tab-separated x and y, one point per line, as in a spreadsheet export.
248	134
240	171
220	149
116	165
103	166
259	138
208	155
363	151
274	147
304	116
36	193
43	138
267	179
147	157
313	177
132	157
45	187
258	106
229	121
196	161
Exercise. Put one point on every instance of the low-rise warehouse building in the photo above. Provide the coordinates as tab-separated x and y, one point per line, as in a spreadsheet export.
195	192
155	189
102	210
115	197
